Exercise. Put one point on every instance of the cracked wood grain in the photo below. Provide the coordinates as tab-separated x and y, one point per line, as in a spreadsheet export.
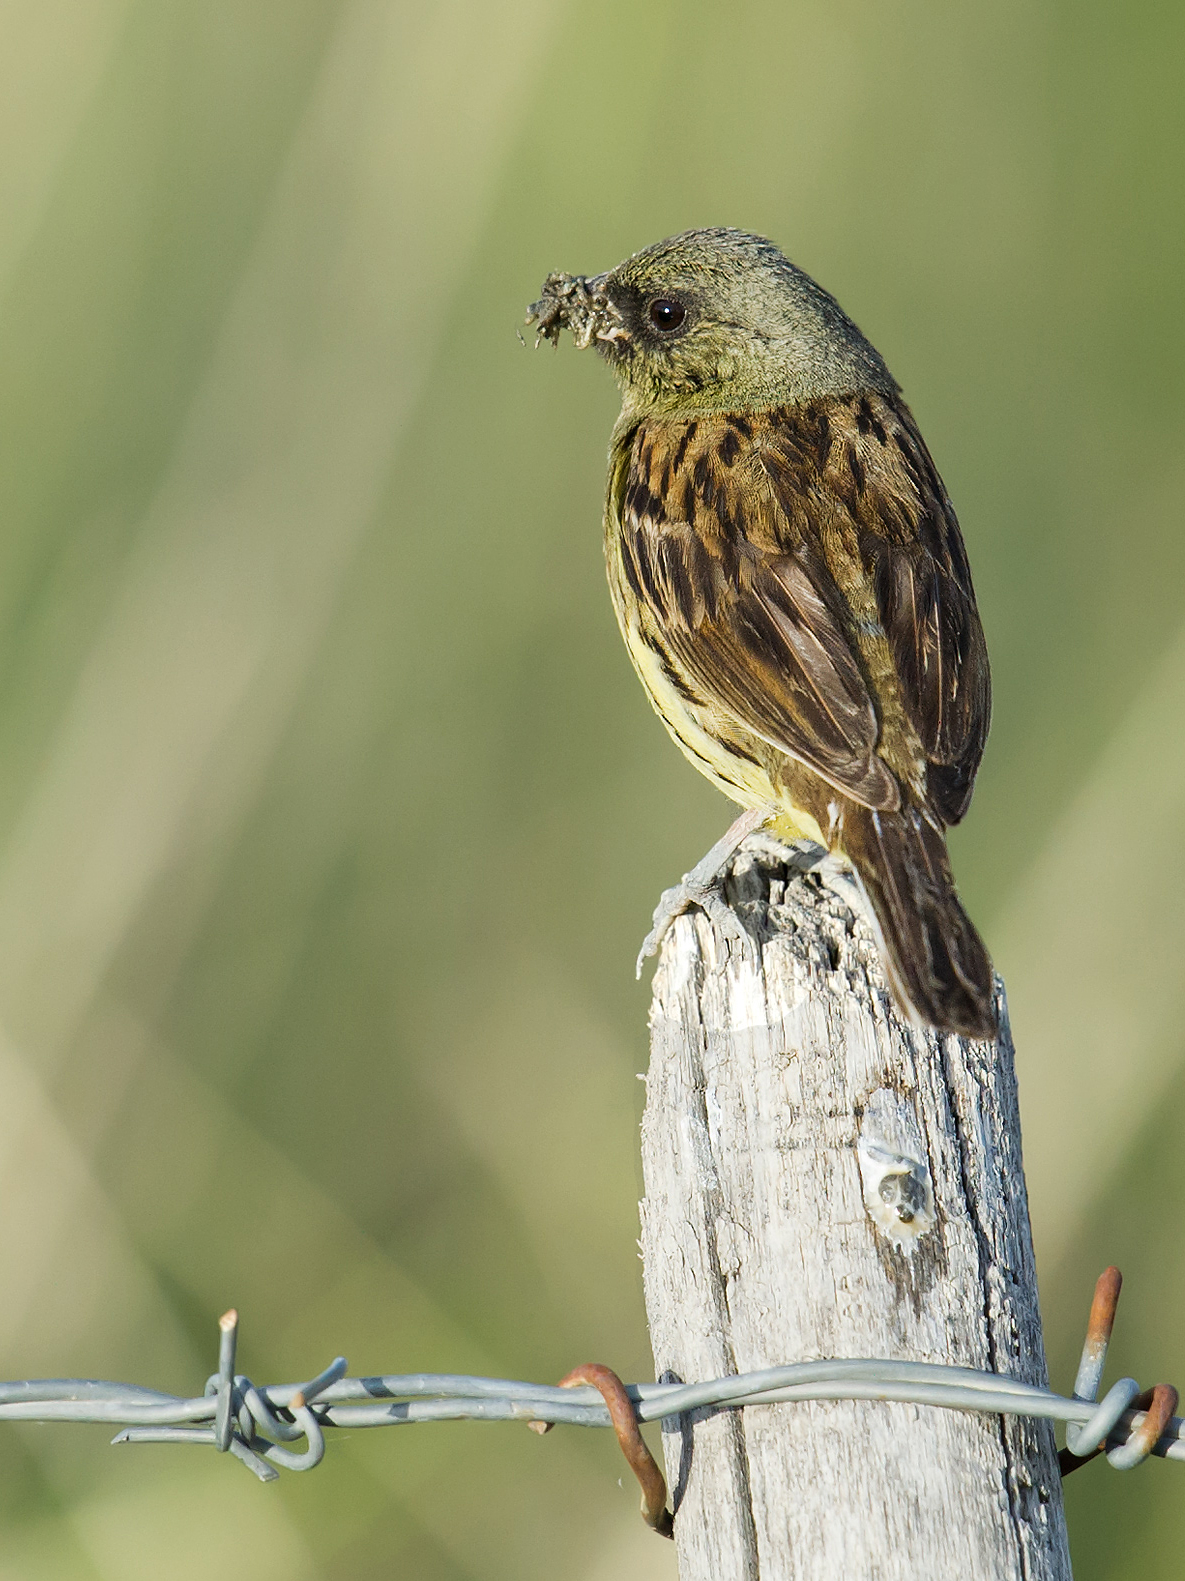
788	1216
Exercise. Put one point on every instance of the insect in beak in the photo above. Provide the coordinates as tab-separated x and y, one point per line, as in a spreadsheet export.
578	303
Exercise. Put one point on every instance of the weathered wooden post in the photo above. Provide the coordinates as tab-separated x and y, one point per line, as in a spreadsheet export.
823	1180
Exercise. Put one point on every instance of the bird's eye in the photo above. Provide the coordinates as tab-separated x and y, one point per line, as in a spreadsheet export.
667	315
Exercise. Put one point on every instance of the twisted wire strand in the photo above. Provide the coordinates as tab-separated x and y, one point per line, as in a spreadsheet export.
256	1422
148	1416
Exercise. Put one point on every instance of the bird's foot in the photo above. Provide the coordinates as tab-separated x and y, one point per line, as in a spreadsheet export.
680	898
701	887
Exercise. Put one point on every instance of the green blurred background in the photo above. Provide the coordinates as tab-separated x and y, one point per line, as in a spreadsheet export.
331	814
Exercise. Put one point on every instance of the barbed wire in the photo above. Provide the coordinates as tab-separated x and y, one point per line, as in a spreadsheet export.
259	1423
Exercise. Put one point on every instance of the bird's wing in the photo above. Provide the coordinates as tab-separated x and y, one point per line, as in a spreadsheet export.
761	570
911	547
749	627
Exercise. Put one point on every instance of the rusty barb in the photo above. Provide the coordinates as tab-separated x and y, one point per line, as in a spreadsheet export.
1151	1411
264	1426
633	1446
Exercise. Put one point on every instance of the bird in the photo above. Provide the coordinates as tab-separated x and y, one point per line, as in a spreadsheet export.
791	582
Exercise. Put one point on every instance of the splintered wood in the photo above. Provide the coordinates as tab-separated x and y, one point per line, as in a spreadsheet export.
823	1180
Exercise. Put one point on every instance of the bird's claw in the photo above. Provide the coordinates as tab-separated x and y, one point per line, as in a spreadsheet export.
681	898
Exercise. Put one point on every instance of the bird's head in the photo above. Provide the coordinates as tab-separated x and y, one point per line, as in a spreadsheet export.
712	320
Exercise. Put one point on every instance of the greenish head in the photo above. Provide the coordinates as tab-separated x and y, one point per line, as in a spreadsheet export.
712	320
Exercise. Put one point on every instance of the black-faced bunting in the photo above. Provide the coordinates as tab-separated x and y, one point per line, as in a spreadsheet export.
790	579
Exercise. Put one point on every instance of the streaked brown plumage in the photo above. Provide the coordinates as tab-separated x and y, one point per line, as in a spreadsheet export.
791	583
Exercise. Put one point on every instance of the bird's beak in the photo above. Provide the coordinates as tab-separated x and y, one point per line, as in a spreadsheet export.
581	304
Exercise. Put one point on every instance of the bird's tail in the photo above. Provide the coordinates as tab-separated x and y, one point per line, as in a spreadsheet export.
937	964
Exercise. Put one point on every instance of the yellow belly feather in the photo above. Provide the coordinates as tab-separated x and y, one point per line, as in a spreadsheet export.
740	780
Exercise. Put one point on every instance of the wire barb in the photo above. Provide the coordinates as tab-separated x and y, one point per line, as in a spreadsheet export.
633	1446
228	1325
1099	1433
